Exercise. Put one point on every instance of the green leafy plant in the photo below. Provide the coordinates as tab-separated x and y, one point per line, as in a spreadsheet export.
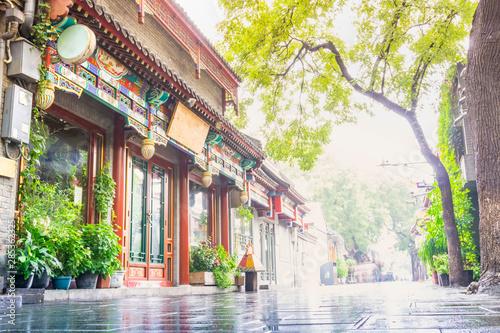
34	254
351	263
435	242
245	214
104	190
41	30
103	244
441	263
211	257
341	268
70	250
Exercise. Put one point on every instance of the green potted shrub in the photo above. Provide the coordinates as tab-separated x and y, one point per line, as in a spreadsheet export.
32	258
239	278
72	254
441	263
341	269
351	268
105	248
210	264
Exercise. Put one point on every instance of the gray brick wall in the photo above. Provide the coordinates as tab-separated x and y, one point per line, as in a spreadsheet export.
8	189
153	35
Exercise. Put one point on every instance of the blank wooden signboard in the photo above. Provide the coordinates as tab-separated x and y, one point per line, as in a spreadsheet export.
187	128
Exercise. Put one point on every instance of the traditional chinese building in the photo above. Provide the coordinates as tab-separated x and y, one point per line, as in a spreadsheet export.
147	94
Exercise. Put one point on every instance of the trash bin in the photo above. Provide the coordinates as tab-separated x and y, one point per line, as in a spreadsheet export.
328	273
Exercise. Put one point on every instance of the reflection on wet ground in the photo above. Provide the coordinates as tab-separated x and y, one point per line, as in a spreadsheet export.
381	307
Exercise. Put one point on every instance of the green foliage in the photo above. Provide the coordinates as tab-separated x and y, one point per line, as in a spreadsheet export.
341	268
350	263
224	269
104	247
352	209
40	31
202	257
441	263
211	257
295	56
48	202
245	214
70	250
34	253
104	190
435	237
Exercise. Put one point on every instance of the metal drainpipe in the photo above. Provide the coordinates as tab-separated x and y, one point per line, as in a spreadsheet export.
11	33
29	16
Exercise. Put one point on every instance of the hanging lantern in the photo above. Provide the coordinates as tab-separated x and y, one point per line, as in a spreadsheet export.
244	196
206	178
148	148
45	94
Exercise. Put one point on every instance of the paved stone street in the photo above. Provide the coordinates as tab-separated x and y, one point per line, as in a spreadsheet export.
382	307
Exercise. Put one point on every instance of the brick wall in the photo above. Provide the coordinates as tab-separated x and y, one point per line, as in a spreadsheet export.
8	188
153	35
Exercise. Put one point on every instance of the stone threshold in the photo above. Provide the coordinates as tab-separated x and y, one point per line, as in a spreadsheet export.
53	295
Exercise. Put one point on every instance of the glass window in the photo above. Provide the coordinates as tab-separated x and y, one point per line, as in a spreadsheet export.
64	163
242	232
198	213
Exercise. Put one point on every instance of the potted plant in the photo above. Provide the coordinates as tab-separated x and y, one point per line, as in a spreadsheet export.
72	254
239	278
32	258
351	267
441	263
341	269
201	264
245	214
210	264
105	248
46	247
116	280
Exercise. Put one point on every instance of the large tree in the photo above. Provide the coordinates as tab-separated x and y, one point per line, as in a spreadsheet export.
483	104
351	208
292	54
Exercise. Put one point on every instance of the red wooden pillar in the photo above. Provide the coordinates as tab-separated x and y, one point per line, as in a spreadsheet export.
183	221
224	215
119	167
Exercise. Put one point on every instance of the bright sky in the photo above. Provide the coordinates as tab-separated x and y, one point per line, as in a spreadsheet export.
361	146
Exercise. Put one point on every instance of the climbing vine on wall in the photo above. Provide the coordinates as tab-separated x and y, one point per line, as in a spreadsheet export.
435	237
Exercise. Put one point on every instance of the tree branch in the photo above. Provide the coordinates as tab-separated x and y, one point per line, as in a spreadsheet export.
345	74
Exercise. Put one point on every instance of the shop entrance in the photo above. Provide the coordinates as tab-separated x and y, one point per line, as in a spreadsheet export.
151	230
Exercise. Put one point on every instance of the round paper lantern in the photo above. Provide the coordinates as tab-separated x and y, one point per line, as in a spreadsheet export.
148	148
76	44
243	197
44	94
206	178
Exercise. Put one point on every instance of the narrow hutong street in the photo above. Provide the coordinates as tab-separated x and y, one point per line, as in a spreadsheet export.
373	307
249	166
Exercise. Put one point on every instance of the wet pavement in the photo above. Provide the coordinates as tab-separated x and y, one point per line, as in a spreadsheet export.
380	307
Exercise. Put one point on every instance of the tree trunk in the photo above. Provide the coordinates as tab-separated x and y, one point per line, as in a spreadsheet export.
455	261
483	104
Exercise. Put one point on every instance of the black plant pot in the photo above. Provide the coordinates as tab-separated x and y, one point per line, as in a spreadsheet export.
469	276
21	283
445	280
41	282
86	280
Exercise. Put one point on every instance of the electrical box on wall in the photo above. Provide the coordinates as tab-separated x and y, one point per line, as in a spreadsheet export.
26	59
16	121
